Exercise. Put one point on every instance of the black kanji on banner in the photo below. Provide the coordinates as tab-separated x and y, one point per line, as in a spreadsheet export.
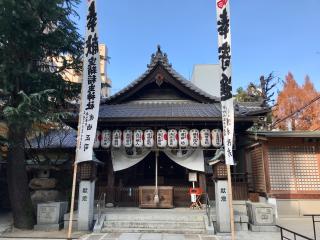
225	87
92	45
224	55
223	24
92	17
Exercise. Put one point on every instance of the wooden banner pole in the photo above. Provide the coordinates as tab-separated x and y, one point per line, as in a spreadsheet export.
156	196
75	168
230	202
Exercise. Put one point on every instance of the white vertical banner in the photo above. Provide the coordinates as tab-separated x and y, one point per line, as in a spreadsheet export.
224	50
91	89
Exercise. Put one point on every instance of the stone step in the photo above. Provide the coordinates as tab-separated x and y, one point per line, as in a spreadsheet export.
155	217
155	224
147	230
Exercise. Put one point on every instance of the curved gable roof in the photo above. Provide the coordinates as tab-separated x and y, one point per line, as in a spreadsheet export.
159	60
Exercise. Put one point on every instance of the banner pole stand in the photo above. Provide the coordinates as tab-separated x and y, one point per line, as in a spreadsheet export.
90	108
72	200
230	202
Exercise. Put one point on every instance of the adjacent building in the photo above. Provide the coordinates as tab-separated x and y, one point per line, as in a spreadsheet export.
285	169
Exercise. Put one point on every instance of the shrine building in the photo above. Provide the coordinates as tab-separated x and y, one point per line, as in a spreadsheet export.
160	130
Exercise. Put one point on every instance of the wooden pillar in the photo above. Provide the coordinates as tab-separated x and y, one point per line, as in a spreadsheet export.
202	182
110	179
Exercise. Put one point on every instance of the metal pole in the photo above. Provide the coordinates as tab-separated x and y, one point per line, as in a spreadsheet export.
72	199
230	202
156	175
156	196
314	228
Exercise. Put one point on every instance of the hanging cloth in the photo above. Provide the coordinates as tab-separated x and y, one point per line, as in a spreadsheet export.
192	159
123	158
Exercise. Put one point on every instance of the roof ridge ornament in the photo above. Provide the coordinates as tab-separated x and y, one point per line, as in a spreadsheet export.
159	56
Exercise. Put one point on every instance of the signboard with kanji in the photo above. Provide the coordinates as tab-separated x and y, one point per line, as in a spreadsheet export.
224	51
91	88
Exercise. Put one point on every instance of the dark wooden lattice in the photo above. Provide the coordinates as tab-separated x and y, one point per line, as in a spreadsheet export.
259	183
294	168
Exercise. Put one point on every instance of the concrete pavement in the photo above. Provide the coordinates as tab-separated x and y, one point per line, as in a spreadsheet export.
5	222
302	225
164	236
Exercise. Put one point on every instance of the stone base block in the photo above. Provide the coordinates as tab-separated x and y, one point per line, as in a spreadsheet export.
209	229
241	226
48	227
74	225
255	228
244	218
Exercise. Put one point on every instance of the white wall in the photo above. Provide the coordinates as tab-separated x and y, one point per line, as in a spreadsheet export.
207	78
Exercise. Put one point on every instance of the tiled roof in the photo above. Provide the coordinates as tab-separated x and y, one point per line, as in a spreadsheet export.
54	139
171	110
293	134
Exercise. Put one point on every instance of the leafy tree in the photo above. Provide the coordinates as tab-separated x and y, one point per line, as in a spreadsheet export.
35	34
251	94
310	116
262	92
294	97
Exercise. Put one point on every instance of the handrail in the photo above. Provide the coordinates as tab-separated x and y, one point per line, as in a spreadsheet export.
208	208
99	205
295	234
313	223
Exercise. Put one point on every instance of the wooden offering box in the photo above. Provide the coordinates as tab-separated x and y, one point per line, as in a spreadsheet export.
146	197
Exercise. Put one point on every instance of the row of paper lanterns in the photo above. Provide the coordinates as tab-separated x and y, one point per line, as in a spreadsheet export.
162	138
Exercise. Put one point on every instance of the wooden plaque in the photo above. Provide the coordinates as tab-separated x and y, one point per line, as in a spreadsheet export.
146	197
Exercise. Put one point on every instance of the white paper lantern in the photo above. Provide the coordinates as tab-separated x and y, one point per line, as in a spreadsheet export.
216	137
205	138
127	138
97	139
138	138
162	138
116	138
172	138
194	138
106	138
183	138
148	138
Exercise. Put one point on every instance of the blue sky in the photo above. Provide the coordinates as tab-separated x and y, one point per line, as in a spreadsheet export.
267	35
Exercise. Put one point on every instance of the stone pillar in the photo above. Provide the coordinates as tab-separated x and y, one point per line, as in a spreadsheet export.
202	182
222	206
85	205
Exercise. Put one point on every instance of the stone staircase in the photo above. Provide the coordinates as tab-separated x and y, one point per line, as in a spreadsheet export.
155	221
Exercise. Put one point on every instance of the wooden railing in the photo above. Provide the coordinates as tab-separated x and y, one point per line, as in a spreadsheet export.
129	196
123	196
239	186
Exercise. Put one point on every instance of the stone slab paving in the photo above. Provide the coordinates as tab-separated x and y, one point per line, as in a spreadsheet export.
165	236
5	222
148	236
302	225
47	235
145	236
